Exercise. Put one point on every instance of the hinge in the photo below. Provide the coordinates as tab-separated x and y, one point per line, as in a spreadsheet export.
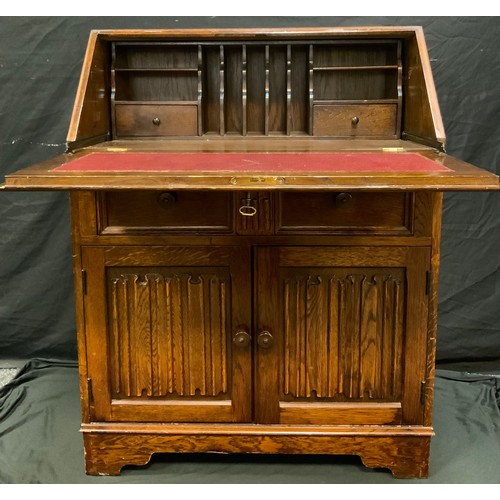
427	282
423	386
89	390
84	282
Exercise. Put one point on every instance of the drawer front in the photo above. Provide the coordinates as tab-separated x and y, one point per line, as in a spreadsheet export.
355	120
336	212
156	211
149	120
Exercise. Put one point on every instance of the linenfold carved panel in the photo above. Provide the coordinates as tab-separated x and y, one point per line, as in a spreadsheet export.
343	334
168	332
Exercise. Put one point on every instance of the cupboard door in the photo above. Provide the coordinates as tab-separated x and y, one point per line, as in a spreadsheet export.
341	335
167	331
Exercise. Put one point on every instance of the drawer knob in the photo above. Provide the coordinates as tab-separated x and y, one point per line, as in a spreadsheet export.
265	340
343	199
355	120
167	199
156	121
242	338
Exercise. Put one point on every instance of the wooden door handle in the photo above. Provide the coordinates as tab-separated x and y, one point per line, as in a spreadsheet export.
242	338
265	339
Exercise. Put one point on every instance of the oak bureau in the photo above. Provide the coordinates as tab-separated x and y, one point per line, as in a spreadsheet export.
256	229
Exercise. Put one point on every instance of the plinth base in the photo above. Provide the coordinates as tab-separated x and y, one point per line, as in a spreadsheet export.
403	450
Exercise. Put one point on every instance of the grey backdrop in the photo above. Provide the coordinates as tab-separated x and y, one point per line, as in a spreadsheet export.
40	62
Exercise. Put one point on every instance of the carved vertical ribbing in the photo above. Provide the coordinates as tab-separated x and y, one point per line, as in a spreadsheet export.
223	335
335	293
169	340
369	338
157	312
117	335
397	331
343	335
141	336
169	335
287	342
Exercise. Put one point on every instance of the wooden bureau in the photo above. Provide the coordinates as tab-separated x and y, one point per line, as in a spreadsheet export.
256	228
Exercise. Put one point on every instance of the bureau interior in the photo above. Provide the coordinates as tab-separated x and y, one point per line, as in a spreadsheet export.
346	88
255	88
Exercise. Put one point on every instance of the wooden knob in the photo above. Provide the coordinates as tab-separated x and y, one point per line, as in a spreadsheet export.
343	199
156	121
265	340
355	120
167	199
242	338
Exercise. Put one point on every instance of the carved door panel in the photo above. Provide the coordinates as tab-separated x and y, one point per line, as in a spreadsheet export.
160	323
341	335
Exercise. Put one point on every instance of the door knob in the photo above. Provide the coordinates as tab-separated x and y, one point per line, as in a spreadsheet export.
265	339
242	338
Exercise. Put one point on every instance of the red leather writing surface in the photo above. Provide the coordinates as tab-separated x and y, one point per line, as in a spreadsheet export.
252	162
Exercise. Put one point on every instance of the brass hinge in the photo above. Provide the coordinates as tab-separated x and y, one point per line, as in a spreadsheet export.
427	282
84	282
423	386
89	390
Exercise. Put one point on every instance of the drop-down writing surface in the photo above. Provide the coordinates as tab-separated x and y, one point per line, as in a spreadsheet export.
267	164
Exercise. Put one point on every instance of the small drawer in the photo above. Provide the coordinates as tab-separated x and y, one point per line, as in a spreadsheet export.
355	120
343	212
150	120
125	212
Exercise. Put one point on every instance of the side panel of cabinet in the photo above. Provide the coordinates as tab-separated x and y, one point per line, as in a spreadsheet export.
347	331
159	330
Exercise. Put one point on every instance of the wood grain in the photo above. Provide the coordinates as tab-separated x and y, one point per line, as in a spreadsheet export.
143	212
165	337
173	300
325	212
344	330
90	119
337	120
459	176
140	119
343	333
406	456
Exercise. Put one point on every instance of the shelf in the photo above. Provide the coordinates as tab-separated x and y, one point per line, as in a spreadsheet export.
355	68
158	103
258	89
355	101
157	70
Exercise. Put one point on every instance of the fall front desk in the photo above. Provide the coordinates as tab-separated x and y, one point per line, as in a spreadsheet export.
256	228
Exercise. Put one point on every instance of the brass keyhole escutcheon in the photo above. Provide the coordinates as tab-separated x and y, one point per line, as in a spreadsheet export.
265	340
247	209
156	121
242	338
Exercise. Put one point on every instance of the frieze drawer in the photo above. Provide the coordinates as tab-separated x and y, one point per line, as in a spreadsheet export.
165	211
338	212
